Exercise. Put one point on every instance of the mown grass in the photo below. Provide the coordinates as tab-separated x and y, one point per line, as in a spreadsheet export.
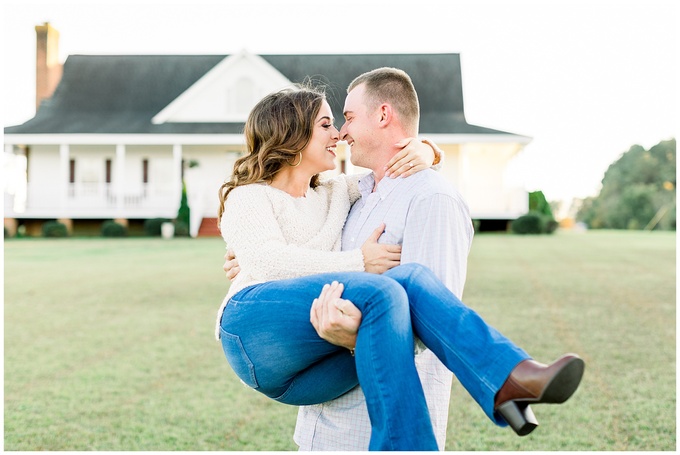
109	344
609	296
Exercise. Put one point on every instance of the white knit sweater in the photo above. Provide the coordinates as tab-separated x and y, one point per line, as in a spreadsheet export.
277	236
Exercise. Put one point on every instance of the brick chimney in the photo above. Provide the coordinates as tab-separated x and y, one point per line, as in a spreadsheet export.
47	67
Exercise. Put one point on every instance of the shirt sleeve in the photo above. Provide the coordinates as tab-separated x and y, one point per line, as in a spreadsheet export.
251	229
438	234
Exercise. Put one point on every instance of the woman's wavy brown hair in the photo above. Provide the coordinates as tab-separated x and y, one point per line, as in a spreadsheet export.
277	129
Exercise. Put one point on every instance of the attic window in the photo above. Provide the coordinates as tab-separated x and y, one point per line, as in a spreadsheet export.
241	97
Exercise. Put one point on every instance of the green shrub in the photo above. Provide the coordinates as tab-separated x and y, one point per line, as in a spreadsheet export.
54	229
531	223
184	212
181	229
551	225
112	229
476	224
152	227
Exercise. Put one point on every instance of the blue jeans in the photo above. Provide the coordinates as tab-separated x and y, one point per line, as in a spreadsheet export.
271	345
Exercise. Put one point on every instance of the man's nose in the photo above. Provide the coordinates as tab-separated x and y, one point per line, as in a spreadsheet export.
343	132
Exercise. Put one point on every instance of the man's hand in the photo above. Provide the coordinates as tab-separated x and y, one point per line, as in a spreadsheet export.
231	267
336	320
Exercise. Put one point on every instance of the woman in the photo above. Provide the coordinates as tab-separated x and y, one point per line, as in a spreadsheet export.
285	227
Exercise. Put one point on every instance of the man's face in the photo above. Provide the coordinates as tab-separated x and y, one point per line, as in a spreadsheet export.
360	128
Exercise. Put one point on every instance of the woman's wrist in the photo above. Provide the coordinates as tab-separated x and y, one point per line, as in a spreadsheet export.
438	154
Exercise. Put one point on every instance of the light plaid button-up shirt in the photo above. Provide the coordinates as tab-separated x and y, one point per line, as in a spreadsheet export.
429	218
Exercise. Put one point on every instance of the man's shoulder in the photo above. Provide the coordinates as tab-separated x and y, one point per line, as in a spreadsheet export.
428	183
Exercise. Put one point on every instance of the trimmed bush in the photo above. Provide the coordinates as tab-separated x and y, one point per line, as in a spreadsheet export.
184	212
531	223
112	229
54	229
551	225
152	227
181	229
476	224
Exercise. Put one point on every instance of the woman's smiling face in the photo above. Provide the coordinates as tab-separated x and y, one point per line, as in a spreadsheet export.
319	155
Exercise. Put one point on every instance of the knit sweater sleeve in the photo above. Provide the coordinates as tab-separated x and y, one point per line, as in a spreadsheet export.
251	229
352	182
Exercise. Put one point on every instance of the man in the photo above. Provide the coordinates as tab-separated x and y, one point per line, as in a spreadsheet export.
422	213
429	219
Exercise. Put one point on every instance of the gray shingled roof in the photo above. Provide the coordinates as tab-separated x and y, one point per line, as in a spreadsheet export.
120	94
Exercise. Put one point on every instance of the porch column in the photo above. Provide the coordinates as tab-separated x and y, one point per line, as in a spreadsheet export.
177	175
9	193
120	179
64	152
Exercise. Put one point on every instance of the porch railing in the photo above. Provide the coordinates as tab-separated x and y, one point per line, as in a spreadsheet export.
93	200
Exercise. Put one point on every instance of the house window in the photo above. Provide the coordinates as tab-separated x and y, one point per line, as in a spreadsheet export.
72	171
108	171
145	170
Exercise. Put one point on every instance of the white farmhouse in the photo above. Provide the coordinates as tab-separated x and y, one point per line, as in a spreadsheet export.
115	136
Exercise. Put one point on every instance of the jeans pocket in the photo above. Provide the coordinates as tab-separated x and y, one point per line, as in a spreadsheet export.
238	359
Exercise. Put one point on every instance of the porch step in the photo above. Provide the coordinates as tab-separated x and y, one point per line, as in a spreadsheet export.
209	228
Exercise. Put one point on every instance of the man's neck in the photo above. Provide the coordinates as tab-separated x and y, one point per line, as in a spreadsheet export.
378	175
388	152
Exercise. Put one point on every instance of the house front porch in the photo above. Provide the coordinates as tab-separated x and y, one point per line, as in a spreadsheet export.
93	200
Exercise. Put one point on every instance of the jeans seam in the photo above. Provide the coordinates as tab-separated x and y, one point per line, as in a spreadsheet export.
281	397
386	419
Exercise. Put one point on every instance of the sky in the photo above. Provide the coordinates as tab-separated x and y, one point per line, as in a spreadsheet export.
585	79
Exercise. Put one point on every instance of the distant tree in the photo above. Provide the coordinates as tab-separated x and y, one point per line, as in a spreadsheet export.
638	191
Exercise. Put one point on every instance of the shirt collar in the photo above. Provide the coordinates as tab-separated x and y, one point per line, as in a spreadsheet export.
385	186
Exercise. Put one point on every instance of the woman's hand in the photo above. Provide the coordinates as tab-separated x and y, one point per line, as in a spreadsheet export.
379	258
336	320
413	157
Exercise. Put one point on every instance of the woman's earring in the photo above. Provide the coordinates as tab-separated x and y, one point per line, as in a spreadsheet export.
299	161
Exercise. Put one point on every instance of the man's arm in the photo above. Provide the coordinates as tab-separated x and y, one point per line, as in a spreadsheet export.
230	267
438	234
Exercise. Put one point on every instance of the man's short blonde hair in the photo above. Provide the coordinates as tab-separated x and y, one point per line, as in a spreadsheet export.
393	86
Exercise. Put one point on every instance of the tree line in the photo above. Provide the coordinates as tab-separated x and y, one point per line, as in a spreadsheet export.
638	191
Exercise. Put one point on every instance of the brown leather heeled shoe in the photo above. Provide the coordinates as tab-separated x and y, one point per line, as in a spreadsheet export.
533	382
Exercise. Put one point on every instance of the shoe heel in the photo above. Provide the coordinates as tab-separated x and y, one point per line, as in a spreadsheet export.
519	416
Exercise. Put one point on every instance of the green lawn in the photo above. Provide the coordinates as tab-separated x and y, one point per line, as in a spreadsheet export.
109	344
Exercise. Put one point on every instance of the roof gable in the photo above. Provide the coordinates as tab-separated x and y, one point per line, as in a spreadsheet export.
226	93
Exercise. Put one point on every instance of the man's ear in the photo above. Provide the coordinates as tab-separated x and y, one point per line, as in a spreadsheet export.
386	115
